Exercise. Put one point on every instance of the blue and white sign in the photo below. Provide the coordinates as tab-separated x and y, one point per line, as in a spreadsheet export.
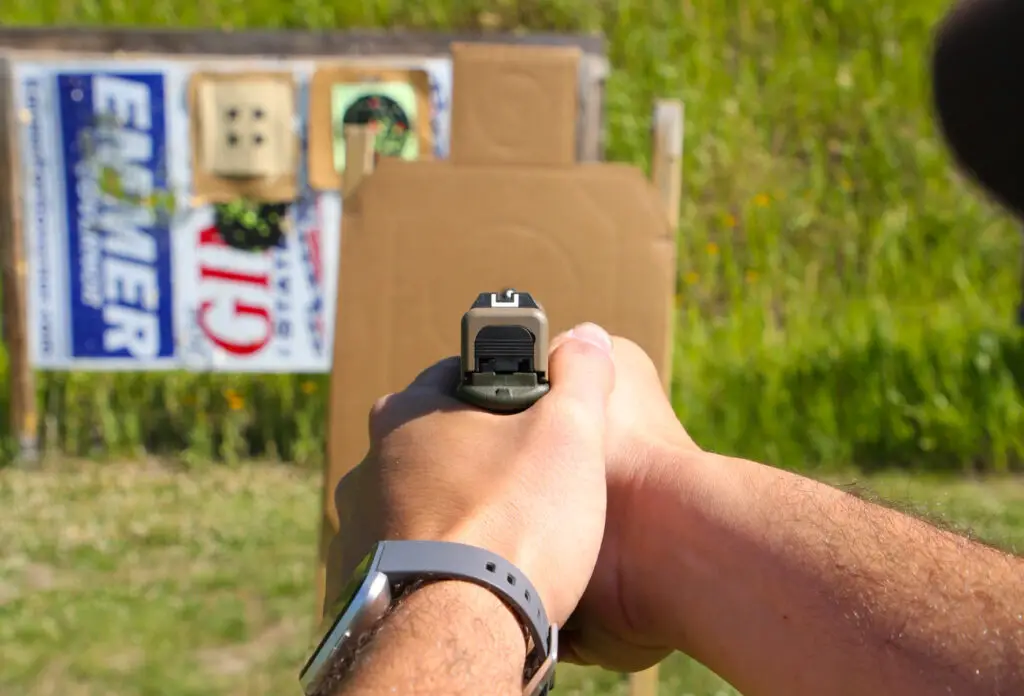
114	147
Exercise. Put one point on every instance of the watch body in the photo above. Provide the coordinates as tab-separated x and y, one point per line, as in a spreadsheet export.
392	565
365	599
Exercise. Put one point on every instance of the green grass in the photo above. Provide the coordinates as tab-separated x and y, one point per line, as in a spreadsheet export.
142	580
845	297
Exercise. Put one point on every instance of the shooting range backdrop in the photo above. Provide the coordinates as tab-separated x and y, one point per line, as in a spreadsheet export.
129	269
148	237
184	210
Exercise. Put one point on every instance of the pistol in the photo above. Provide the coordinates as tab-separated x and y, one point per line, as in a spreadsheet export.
504	352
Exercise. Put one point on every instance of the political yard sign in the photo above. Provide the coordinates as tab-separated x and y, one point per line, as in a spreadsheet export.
99	250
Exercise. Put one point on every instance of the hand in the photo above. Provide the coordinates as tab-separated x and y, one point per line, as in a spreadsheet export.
615	623
529	487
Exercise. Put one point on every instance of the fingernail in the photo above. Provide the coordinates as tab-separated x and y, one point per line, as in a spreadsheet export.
592	334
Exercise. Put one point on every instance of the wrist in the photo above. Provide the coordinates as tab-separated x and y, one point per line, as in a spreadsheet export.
515	549
678	480
440	628
470	610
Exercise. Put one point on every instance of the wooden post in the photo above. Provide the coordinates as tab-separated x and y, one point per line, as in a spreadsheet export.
667	175
360	157
667	155
15	277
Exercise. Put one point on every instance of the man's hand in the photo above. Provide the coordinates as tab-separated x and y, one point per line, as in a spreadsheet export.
530	487
780	584
612	626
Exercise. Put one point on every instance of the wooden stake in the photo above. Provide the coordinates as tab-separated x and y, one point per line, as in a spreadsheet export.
360	158
667	175
667	155
14	277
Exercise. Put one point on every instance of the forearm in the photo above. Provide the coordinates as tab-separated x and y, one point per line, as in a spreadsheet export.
450	637
788	587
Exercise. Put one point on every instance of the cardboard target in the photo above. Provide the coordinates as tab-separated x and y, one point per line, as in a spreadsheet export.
395	103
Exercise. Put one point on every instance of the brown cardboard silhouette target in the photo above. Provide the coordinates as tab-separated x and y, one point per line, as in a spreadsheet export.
422	239
514	104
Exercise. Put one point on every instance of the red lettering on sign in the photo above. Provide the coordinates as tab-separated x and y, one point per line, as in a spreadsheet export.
259	279
241	309
235	313
211	236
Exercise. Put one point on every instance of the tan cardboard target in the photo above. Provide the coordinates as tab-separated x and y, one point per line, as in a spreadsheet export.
244	141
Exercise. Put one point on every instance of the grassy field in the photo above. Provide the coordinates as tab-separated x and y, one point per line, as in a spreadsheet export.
827	247
141	580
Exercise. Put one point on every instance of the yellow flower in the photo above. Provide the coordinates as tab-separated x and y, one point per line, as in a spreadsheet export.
729	220
751	276
761	200
234	399
308	387
712	249
691	278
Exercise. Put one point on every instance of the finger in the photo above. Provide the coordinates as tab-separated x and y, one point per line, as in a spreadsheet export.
557	341
440	379
395	410
604	649
442	376
567	650
582	369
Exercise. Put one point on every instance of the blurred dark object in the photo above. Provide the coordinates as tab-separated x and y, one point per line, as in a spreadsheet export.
977	64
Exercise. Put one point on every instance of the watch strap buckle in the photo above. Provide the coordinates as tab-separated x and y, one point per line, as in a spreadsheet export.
543	680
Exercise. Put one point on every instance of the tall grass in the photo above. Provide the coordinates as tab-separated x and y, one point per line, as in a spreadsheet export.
846	298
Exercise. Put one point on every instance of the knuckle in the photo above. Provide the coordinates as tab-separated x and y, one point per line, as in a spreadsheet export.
340	493
630	355
626	346
380	405
629	350
578	361
378	412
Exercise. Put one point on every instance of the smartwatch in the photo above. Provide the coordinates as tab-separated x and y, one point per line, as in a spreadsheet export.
392	566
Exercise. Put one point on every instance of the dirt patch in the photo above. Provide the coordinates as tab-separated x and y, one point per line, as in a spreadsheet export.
29	579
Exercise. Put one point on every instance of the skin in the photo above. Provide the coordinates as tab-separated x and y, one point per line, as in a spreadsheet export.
782	585
530	487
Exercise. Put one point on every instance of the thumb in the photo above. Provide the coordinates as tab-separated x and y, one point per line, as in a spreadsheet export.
581	368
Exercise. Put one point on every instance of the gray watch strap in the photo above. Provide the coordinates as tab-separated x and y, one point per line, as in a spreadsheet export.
404	561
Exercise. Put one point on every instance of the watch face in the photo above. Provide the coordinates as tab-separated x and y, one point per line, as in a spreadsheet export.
360	604
356	581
